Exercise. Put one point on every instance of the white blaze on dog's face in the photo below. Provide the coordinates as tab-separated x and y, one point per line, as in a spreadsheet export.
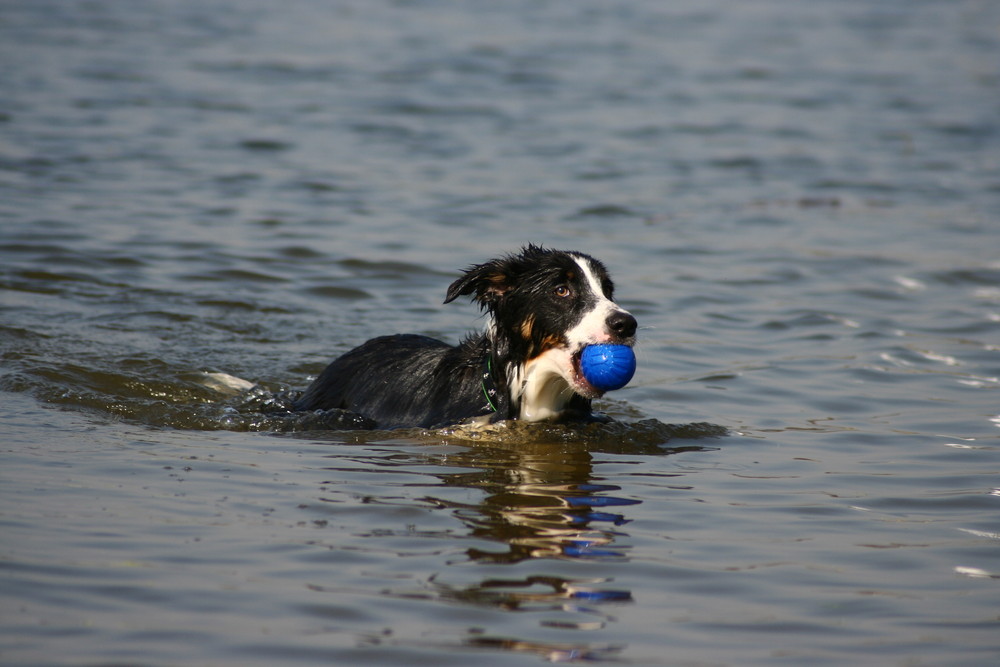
597	323
573	309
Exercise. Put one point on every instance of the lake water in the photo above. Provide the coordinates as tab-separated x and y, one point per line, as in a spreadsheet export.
799	201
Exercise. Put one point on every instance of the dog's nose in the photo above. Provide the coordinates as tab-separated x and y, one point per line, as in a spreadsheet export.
621	324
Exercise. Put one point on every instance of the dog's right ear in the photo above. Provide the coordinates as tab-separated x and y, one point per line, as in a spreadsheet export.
488	281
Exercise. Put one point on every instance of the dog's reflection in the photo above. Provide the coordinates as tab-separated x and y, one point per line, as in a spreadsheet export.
543	502
546	499
546	532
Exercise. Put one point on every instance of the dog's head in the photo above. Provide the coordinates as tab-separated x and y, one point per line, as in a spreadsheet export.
545	307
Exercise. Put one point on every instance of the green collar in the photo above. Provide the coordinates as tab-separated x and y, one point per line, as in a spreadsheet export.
490	390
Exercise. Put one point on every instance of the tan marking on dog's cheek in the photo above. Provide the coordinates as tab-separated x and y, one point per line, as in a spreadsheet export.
527	327
552	341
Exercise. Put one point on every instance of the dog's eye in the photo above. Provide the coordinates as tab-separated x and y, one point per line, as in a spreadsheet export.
562	291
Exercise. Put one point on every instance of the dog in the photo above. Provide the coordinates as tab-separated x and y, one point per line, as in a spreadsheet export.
543	307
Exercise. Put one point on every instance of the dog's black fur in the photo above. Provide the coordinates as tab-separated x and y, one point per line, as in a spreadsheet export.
544	306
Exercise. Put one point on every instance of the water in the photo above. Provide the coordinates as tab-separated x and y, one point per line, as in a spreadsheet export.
799	202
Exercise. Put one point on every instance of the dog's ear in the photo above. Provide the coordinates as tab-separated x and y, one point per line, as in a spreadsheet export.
488	281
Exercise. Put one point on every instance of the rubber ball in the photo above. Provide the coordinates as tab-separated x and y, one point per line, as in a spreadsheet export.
607	367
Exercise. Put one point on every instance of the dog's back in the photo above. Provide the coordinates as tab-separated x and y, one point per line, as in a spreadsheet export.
401	380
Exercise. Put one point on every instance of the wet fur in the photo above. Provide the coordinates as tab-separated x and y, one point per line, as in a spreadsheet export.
543	307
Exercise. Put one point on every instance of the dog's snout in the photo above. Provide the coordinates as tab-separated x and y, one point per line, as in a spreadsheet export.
622	324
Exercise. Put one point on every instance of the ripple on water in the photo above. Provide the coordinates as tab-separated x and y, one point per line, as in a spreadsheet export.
201	203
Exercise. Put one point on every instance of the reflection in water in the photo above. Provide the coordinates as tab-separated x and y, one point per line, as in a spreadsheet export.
541	500
551	651
544	501
547	505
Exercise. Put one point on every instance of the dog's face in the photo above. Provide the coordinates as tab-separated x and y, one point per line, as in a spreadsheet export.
546	306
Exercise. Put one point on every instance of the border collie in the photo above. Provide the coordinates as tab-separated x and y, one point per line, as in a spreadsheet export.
543	306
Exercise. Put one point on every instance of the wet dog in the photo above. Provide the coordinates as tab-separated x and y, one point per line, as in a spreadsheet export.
543	307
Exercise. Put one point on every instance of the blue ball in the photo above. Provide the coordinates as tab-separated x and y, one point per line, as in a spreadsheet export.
607	367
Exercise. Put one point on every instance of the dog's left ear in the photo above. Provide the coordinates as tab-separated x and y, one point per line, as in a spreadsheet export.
488	281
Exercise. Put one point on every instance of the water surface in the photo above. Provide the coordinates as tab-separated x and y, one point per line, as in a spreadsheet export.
800	202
